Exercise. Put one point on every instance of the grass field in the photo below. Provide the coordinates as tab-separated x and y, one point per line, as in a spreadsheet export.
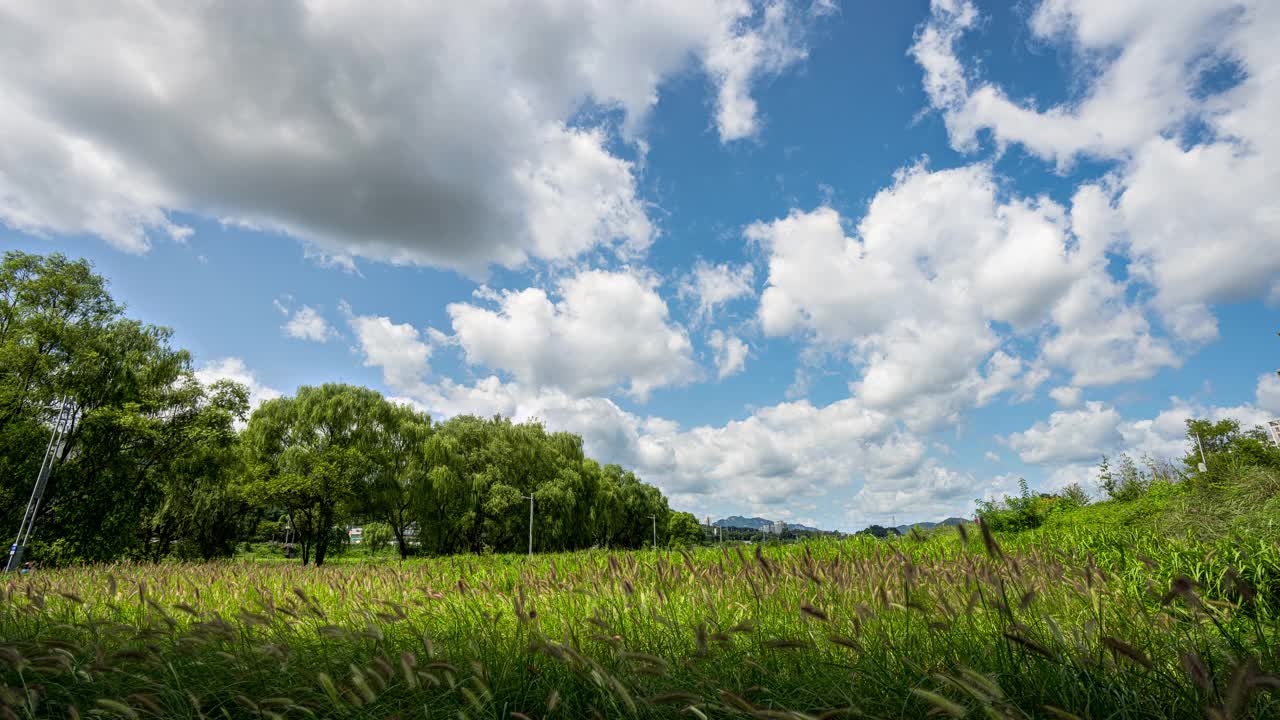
1128	623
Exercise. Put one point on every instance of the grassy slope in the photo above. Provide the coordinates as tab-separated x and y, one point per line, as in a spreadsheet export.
1068	616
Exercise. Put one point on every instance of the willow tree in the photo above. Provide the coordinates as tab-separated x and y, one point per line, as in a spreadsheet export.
310	454
398	468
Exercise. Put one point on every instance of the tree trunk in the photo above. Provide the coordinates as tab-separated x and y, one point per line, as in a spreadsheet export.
397	526
322	534
322	544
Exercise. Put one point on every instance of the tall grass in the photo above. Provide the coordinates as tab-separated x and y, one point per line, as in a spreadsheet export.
1120	625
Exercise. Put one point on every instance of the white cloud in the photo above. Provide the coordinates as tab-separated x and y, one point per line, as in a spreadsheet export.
604	330
411	133
308	324
992	457
1102	338
1077	438
1267	395
1193	196
234	369
712	286
730	353
940	261
1069	435
1140	59
397	348
1066	396
737	58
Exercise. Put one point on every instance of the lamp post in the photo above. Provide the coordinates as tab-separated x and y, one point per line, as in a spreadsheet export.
529	497
654	518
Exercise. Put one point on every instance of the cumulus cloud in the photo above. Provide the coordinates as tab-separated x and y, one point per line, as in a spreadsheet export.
1140	58
431	133
306	323
1066	396
730	353
1069	435
934	492
603	330
737	59
713	286
1074	439
234	369
396	348
943	260
1193	196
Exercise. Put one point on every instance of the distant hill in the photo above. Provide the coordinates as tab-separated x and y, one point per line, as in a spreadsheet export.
904	529
755	523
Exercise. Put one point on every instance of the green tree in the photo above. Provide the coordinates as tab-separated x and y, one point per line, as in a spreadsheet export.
376	536
139	419
398	467
1073	496
683	529
1228	451
310	453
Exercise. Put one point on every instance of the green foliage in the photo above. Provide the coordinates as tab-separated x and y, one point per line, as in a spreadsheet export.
1130	481
684	530
143	468
879	532
376	536
1107	622
1021	512
1228	451
308	454
1073	497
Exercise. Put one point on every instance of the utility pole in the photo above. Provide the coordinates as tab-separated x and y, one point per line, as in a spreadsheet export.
654	518
529	497
60	427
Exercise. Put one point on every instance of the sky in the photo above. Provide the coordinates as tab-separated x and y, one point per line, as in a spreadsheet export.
831	263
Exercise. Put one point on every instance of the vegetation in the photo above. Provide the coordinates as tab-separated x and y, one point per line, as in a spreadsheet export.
154	464
1160	600
1062	621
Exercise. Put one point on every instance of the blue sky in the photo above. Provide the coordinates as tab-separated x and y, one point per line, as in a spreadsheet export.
826	262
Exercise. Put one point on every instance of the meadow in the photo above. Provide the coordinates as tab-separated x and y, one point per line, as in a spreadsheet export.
1069	621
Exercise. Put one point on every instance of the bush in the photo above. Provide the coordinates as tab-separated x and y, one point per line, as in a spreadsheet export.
1013	514
377	535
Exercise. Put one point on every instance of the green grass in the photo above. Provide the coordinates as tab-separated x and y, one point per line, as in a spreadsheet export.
1112	611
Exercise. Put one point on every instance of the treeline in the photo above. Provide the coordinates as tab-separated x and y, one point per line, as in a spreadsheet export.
154	463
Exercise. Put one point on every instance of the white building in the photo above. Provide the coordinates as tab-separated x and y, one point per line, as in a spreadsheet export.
1273	429
776	528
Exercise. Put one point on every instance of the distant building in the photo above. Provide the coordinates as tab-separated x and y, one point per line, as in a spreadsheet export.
776	528
1273	429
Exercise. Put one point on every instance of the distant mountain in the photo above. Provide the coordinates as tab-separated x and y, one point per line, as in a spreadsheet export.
904	529
737	521
755	523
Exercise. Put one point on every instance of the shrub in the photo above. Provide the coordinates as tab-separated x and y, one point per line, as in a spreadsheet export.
377	535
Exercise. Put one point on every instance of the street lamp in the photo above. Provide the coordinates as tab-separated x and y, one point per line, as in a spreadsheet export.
654	518
529	497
